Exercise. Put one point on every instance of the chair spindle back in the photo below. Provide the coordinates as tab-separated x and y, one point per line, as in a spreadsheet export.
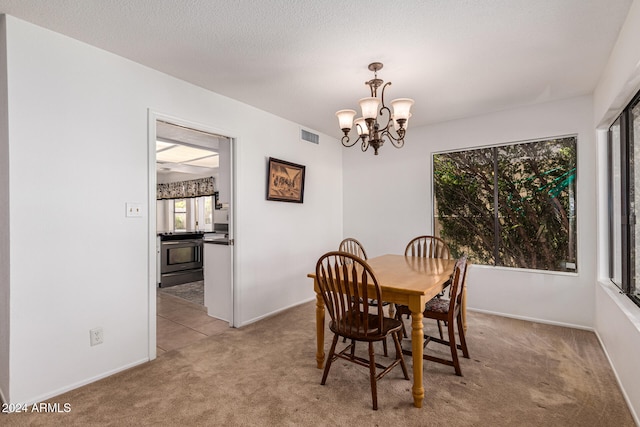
347	285
458	281
428	247
353	246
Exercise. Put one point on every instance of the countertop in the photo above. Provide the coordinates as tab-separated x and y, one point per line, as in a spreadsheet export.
207	236
181	234
222	240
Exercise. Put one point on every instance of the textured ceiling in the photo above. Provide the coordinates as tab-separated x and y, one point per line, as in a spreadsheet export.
305	59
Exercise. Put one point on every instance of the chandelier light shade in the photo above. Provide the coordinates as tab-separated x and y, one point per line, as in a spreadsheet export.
405	125
371	132
369	107
401	108
361	127
345	117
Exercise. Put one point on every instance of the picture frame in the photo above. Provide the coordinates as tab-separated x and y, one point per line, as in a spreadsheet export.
285	181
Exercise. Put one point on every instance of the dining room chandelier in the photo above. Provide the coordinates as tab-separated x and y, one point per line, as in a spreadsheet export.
369	129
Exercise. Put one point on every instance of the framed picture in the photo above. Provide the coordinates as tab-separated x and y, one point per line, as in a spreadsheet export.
285	181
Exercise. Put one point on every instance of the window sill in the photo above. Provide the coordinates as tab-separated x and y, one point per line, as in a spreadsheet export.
624	303
527	270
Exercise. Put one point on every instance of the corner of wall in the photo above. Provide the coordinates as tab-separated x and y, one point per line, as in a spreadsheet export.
4	218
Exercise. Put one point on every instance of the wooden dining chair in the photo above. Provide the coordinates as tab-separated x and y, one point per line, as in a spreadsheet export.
347	284
449	310
426	247
353	247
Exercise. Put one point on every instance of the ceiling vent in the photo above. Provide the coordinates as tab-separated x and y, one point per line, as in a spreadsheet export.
305	135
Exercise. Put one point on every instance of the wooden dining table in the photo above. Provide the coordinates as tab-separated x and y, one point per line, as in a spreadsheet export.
406	280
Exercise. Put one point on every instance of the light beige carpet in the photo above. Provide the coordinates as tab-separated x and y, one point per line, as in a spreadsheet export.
519	374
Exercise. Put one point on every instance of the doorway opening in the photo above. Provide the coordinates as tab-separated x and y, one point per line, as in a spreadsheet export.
190	170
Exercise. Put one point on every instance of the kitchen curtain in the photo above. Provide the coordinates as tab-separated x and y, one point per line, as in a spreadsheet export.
185	189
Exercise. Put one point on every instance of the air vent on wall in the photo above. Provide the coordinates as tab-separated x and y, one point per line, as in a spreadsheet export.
308	136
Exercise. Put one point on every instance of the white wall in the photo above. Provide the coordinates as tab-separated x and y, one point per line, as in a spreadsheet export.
397	205
4	219
78	152
617	319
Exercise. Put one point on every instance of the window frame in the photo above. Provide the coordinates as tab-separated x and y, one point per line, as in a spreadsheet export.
628	285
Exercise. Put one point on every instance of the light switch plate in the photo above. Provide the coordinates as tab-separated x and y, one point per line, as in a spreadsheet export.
134	209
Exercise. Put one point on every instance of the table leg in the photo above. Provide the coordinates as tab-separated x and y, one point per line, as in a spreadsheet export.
319	330
417	339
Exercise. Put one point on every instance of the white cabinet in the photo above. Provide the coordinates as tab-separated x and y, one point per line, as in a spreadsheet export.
221	216
217	281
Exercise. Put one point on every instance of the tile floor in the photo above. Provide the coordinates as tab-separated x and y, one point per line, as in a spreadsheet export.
181	322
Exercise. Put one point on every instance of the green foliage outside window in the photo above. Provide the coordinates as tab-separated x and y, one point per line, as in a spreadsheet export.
512	205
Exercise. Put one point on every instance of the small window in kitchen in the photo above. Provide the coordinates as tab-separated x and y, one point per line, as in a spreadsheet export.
208	213
180	215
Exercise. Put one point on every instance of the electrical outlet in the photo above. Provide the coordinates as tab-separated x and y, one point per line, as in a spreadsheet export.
96	336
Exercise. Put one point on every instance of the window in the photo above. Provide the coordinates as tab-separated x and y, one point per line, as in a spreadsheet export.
624	184
193	214
510	205
180	214
208	212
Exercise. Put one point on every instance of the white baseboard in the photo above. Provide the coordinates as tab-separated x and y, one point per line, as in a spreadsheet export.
533	319
264	316
70	387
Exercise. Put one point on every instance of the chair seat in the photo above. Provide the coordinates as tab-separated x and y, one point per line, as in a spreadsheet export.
359	334
437	305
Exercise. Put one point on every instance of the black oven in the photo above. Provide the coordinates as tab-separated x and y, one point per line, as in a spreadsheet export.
180	259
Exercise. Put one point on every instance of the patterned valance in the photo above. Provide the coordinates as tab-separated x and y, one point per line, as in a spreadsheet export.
186	189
